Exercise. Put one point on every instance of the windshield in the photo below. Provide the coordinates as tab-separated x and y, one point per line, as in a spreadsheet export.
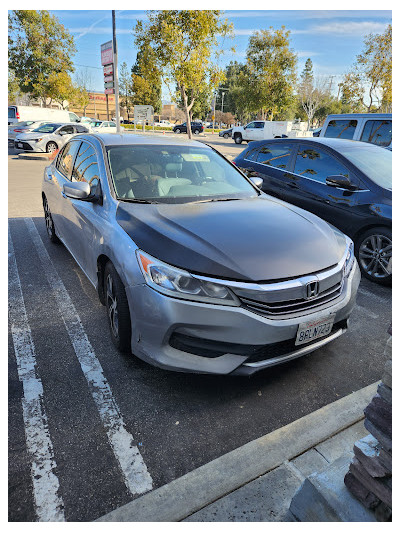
374	161
47	128
175	174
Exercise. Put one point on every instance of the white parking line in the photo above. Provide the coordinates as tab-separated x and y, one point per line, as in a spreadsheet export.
134	470
49	505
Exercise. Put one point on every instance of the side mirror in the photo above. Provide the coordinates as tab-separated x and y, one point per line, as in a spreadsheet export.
341	182
258	182
78	190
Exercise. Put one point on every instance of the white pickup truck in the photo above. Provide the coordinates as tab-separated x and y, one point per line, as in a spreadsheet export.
259	130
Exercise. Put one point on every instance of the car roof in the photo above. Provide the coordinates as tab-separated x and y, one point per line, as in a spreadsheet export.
331	142
118	139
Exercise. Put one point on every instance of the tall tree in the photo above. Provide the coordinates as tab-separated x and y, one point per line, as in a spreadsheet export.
84	86
271	71
311	91
125	87
39	49
146	80
183	44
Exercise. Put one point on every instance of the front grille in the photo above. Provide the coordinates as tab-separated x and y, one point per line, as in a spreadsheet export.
25	146
254	353
290	307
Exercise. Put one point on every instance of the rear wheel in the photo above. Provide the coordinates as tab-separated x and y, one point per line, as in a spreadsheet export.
226	136
51	232
119	319
238	138
374	255
51	147
196	132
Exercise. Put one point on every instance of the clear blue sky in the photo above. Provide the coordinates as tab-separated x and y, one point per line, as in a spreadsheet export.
332	39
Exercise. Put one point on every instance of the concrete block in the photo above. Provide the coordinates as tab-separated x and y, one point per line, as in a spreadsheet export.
367	498
265	499
343	442
384	440
367	451
381	487
379	412
386	459
323	497
385	392
310	462
387	374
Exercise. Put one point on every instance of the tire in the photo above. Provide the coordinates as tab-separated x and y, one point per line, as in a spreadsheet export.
373	252
238	138
51	231
196	132
226	136
177	130
119	319
51	147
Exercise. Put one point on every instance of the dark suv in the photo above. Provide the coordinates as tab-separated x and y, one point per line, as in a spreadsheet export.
197	127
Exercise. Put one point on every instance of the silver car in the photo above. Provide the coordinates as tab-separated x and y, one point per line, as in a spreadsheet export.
198	269
48	137
23	127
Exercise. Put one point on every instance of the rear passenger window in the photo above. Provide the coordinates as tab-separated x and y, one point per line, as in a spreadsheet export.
377	132
275	155
341	129
66	159
86	167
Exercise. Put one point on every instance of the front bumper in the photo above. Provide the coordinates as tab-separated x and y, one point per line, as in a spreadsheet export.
29	146
156	319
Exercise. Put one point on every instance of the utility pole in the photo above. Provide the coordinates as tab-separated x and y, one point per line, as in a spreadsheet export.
116	73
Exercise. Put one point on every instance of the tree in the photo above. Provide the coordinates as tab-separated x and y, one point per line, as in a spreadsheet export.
369	84
83	87
125	87
311	91
146	80
60	88
271	72
183	45
39	48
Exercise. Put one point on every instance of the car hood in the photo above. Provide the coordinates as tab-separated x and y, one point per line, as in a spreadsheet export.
31	135
256	240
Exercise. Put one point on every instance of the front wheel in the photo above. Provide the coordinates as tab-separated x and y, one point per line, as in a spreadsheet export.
177	130
51	147
226	135
238	139
51	232
119	319
374	255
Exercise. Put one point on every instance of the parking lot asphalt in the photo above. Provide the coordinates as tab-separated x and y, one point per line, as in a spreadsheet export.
176	422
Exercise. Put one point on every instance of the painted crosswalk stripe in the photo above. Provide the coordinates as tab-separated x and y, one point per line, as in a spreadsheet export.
49	505
134	470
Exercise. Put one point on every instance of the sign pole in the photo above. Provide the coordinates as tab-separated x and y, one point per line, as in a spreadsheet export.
116	73
108	113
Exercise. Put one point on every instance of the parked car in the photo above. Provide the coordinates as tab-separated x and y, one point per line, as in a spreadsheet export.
22	113
107	126
316	132
375	128
48	137
23	127
258	130
225	133
347	183
198	269
86	120
197	127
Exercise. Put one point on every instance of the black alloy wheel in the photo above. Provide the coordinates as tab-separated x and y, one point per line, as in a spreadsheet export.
51	147
51	232
117	307
374	254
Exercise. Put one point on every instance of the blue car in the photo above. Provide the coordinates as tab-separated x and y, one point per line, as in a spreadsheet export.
347	183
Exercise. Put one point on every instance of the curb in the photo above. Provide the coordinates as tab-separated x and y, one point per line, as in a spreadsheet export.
193	491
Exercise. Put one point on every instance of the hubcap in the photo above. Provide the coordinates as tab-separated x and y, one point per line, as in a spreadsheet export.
51	147
48	219
112	306
375	254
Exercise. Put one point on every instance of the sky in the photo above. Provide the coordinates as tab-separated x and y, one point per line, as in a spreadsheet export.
332	39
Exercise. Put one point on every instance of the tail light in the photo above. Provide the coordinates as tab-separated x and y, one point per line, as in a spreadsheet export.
233	163
17	115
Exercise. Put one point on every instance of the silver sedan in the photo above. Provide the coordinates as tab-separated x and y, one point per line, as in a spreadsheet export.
198	269
48	137
23	127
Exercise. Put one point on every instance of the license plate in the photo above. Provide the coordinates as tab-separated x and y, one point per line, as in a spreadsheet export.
20	145
309	331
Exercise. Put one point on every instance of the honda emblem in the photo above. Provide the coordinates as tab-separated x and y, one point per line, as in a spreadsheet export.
312	289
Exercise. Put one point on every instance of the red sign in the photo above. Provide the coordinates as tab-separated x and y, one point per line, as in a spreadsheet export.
108	70
109	78
109	91
106	53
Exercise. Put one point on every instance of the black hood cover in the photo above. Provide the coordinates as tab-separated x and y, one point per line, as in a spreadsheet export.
259	239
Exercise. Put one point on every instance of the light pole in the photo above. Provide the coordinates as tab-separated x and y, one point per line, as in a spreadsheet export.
116	73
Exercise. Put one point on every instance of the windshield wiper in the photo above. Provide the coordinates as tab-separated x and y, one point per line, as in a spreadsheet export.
215	200
137	201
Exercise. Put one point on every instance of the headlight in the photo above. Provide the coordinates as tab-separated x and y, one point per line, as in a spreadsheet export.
348	264
180	284
38	140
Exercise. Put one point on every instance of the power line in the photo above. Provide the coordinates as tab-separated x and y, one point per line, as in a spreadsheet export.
88	66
